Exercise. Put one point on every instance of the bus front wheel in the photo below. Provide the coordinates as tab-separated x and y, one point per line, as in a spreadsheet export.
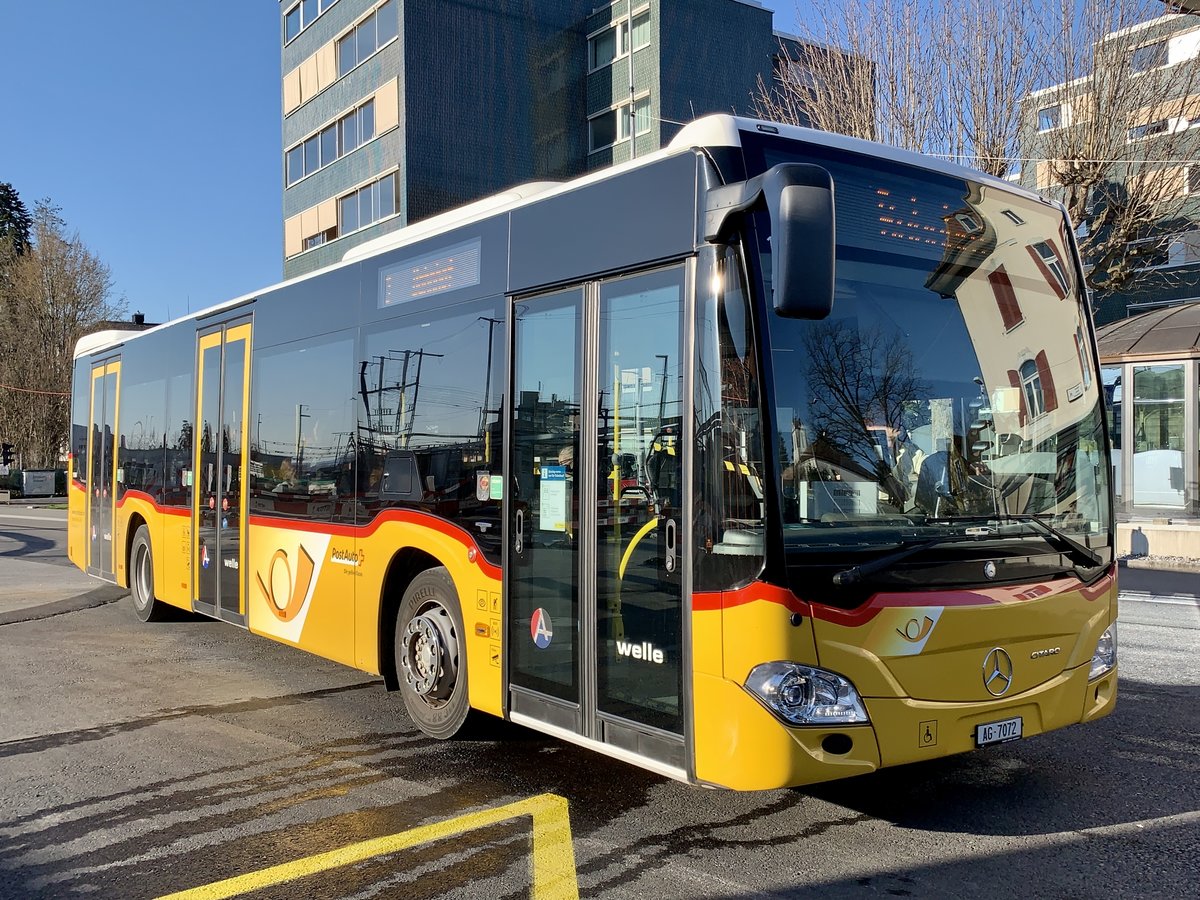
431	656
141	578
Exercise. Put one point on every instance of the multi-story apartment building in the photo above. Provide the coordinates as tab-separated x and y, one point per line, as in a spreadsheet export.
1138	116
394	111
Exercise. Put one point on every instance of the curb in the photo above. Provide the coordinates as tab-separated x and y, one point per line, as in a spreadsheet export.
1160	564
100	596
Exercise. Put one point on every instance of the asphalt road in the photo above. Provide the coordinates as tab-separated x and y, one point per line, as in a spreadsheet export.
138	760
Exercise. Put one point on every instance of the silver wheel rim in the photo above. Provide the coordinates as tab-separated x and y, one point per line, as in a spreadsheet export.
143	578
429	654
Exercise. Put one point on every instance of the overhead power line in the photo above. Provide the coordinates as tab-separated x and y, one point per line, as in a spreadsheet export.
29	391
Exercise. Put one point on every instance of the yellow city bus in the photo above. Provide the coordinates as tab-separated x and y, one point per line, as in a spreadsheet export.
770	458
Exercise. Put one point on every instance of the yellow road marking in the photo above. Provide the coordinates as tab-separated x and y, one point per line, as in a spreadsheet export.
552	867
633	543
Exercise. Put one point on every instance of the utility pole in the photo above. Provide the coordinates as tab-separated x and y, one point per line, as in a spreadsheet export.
662	399
420	355
629	50
487	382
301	415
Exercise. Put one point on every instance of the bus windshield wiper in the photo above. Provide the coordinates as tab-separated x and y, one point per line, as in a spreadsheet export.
1082	553
909	548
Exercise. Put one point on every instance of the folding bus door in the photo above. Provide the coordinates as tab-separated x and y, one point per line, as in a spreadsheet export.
220	464
596	643
102	468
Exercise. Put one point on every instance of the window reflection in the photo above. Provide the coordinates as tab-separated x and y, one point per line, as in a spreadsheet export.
429	399
302	434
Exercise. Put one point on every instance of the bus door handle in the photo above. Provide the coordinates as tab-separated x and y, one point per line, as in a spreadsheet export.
670	545
519	536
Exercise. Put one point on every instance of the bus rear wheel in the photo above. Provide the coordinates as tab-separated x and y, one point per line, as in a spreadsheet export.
431	661
141	578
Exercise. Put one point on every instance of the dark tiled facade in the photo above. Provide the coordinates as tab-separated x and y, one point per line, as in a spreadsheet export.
493	94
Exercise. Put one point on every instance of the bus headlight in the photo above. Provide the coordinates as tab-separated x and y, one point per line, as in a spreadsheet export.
1105	656
803	695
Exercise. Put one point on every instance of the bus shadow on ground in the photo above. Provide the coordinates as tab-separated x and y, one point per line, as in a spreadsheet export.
27	544
1126	768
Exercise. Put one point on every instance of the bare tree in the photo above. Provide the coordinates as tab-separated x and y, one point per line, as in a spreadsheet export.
936	78
51	295
1110	136
968	81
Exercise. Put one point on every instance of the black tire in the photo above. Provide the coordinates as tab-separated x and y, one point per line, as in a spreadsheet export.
141	579
431	663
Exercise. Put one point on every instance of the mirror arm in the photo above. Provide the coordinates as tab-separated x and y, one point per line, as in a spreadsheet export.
725	203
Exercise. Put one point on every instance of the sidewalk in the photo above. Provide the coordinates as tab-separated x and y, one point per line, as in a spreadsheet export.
37	590
1160	563
17	503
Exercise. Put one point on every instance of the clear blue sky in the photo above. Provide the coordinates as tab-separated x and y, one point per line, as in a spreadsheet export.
155	126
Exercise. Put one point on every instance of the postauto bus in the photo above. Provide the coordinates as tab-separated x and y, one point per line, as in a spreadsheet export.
769	458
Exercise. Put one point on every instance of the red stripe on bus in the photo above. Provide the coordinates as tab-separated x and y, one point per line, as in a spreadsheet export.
158	507
854	618
757	591
406	516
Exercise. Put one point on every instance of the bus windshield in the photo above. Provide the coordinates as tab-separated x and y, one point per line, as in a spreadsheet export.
953	385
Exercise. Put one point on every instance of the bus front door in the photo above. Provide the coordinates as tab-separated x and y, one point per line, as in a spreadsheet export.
220	449
102	469
595	617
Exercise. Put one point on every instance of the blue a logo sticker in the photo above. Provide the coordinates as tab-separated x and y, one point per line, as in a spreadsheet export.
541	628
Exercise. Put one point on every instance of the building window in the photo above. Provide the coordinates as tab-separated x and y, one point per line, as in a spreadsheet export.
1031	386
612	126
1012	217
300	15
367	205
1006	299
1081	348
1051	266
367	37
331	143
1138	132
322	237
1149	56
613	42
602	49
1050	117
1193	179
1159	435
1165	252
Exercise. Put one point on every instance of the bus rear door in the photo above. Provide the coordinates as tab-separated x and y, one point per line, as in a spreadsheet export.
102	468
220	464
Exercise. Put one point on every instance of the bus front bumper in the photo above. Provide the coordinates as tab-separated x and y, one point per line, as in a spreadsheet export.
740	745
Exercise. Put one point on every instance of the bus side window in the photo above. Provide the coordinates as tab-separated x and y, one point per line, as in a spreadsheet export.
729	505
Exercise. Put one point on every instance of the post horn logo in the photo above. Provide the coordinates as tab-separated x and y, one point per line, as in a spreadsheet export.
914	631
997	672
284	590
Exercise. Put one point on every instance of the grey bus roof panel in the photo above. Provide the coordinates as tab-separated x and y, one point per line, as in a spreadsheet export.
590	230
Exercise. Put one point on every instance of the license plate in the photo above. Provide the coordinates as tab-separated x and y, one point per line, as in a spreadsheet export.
998	732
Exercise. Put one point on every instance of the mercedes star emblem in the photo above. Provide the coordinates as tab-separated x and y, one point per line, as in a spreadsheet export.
997	672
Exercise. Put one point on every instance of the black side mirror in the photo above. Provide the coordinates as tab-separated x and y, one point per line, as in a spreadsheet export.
799	201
